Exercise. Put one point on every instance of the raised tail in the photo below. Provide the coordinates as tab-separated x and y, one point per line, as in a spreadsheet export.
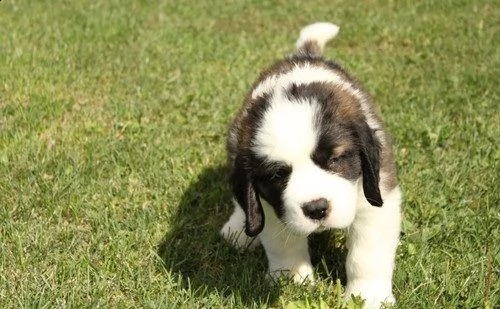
313	38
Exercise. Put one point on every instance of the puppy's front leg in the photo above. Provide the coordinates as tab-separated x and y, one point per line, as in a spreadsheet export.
234	230
287	253
372	241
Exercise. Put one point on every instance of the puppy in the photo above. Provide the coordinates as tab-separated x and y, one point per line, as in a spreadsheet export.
308	152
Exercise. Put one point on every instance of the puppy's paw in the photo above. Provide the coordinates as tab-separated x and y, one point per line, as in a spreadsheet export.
301	273
238	238
234	231
376	294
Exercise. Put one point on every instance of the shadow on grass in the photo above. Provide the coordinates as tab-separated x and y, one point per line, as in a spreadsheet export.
193	248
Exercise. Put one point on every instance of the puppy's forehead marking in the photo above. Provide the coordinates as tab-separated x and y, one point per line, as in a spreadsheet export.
307	74
287	132
300	74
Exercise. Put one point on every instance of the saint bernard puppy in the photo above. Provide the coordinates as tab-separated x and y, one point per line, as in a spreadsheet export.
308	152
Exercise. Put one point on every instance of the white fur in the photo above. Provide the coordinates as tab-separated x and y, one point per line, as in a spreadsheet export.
287	252
287	132
306	74
308	182
234	230
372	241
301	75
318	32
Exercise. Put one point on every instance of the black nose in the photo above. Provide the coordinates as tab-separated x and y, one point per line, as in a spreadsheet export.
317	209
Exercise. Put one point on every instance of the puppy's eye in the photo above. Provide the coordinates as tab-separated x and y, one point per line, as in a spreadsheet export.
280	173
335	159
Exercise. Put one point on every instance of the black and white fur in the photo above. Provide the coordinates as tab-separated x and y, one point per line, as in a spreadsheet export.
308	152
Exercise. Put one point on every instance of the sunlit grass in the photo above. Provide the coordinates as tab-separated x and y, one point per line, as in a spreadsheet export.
113	117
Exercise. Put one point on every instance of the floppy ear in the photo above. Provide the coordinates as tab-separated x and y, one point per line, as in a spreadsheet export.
370	164
245	194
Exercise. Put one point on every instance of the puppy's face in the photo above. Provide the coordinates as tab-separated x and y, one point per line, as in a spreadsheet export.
309	151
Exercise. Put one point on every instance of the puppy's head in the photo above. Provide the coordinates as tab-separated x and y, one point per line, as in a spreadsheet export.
306	150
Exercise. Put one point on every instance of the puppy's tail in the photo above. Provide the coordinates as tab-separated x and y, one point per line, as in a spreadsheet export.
313	38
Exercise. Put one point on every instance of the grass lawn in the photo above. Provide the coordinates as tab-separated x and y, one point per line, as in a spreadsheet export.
113	118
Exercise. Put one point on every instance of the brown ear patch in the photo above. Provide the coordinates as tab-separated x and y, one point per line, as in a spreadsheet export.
347	106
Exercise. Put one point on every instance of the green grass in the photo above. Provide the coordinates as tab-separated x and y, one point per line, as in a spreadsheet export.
112	128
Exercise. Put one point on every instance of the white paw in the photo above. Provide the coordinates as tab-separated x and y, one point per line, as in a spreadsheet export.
238	238
234	231
376	294
301	273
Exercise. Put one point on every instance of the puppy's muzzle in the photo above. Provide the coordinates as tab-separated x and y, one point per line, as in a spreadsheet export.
316	209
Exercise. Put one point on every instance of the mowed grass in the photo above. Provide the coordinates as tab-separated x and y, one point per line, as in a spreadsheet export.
113	117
